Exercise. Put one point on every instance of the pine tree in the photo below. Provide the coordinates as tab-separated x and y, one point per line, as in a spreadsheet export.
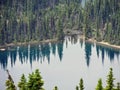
60	34
39	82
22	84
31	82
81	84
118	86
99	85
77	87
35	81
55	88
10	83
110	80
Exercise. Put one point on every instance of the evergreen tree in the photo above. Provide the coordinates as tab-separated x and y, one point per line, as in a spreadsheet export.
81	84
26	18
110	80
10	85
35	81
55	88
118	86
22	84
60	33
77	87
99	85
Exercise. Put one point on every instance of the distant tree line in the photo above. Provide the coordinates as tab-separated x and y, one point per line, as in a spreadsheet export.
35	82
102	20
29	20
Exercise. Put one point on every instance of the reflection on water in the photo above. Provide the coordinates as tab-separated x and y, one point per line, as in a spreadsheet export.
88	47
42	51
72	57
31	53
3	59
111	53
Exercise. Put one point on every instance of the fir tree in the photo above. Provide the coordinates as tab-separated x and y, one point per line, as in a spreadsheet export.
118	86
110	80
55	88
60	33
10	83
81	84
99	85
77	87
22	84
35	81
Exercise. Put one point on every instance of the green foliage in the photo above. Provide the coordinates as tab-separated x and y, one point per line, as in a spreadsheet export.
55	88
108	29
10	85
118	86
39	20
81	84
99	85
23	83
60	33
35	81
77	87
110	80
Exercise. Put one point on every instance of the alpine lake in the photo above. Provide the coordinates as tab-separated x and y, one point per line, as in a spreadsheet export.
61	63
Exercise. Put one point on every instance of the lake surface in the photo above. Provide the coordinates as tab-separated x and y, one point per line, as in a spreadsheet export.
61	63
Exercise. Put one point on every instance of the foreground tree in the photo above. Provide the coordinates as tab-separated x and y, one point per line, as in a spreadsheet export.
55	88
110	80
99	85
77	87
10	83
81	84
35	81
22	84
118	86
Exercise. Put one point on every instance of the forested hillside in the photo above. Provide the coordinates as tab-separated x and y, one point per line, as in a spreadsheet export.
29	20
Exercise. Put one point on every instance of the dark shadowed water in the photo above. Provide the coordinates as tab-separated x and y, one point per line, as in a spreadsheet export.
61	63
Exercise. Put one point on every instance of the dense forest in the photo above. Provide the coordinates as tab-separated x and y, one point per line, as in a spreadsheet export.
37	20
35	82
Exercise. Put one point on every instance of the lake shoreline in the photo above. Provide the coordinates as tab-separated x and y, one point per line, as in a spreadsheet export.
91	40
102	43
4	47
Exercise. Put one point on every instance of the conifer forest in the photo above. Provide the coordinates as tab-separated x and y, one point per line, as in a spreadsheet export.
37	20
